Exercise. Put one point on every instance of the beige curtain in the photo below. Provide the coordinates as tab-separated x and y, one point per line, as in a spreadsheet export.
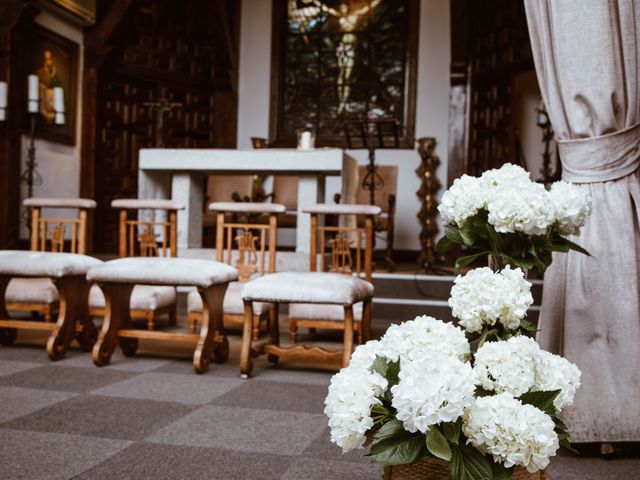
587	59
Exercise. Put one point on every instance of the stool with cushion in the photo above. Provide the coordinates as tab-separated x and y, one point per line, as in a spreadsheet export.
254	255
321	293
68	272
146	238
39	295
117	279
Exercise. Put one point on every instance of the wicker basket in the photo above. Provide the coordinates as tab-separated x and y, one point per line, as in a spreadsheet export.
431	468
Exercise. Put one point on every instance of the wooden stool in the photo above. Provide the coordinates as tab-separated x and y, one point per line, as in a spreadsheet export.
301	287
68	272
117	279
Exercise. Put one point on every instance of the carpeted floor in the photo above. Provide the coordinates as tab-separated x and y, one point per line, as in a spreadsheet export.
152	417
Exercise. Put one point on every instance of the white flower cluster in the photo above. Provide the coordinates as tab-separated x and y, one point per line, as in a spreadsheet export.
513	433
572	205
518	365
409	340
483	297
352	393
515	203
433	389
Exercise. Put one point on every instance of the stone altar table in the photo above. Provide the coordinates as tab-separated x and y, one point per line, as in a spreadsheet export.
179	174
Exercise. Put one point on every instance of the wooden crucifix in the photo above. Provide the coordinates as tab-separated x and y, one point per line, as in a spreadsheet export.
160	107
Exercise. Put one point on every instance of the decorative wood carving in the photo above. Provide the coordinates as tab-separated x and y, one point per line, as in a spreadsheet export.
57	238
148	242
247	263
428	214
341	260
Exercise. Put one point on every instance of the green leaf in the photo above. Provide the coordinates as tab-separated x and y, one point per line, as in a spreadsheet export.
494	239
451	430
566	444
452	232
465	260
444	245
500	472
437	444
393	445
468	234
467	463
576	247
380	365
487	335
393	371
541	400
380	414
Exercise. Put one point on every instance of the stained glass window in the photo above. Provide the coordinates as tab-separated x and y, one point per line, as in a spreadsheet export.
341	61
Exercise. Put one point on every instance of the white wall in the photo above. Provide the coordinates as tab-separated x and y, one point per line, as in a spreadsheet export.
432	107
59	165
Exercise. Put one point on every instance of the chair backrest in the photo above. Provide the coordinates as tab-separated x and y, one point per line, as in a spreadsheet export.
387	191
250	259
140	237
48	233
344	240
285	191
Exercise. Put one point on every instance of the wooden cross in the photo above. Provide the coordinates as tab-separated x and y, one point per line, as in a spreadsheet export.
160	107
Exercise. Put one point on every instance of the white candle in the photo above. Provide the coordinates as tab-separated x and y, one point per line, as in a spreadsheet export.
3	95
58	99
305	141
34	94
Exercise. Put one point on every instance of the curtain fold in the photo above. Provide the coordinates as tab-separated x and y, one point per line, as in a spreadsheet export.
587	61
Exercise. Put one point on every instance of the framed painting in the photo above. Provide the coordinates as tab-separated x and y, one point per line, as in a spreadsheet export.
54	60
336	62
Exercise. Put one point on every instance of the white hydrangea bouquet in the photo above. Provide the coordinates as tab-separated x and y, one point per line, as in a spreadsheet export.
516	221
423	391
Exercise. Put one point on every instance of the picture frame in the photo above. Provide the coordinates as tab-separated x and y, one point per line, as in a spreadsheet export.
339	44
54	59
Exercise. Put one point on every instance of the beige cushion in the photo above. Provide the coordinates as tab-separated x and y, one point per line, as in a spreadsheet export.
233	304
247	207
146	204
21	263
163	271
343	209
314	311
143	297
59	202
31	290
308	287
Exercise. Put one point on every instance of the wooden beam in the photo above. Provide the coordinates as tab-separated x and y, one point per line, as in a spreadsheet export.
230	43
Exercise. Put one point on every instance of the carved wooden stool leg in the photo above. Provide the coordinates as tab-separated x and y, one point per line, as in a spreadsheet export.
365	323
256	327
7	335
274	331
73	308
192	321
47	314
150	320
116	316
212	340
348	335
293	331
246	366
86	332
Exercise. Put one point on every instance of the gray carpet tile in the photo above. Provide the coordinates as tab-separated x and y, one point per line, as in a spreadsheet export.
51	456
144	461
190	389
323	449
24	353
314	469
118	362
64	379
16	401
244	429
292	375
107	417
283	396
7	367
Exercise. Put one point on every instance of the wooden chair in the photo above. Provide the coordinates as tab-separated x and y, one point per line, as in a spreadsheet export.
255	256
385	198
139	237
39	295
285	192
225	188
338	289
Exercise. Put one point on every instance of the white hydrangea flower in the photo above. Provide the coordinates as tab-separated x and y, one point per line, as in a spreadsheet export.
508	175
553	372
352	393
507	366
483	297
524	208
513	433
409	340
463	200
434	388
572	206
364	355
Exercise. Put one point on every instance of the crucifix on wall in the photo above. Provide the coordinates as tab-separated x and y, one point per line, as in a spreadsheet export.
160	108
